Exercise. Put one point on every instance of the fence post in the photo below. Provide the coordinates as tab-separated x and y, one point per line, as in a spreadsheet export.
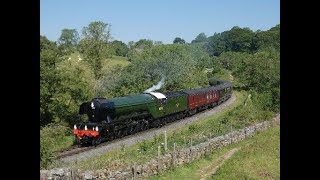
174	154
231	134
134	172
159	159
165	141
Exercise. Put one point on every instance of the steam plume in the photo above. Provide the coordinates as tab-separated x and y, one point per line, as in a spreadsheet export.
157	86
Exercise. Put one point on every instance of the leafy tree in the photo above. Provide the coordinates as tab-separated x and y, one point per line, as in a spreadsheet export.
260	72
131	44
63	85
143	44
120	48
69	39
199	53
179	40
239	40
138	47
94	45
77	85
270	38
49	79
232	60
216	44
158	43
200	38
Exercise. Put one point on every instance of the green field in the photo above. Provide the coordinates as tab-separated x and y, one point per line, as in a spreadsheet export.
257	158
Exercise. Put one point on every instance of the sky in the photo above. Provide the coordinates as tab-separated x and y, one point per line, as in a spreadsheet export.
158	20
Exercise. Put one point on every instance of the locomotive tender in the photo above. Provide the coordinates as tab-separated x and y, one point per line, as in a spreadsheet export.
117	117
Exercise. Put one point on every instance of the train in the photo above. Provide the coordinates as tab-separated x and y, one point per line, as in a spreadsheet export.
109	119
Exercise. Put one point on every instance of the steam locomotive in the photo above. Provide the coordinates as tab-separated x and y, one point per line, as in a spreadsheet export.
109	119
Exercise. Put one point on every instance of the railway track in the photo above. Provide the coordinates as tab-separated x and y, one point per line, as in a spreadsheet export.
75	150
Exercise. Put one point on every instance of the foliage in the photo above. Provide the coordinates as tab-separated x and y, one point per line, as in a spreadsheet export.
136	48
200	38
64	84
53	137
78	80
94	46
68	40
270	38
239	39
49	79
216	44
120	48
179	40
243	40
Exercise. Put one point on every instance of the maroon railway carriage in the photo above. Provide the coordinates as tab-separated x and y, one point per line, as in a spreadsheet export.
200	99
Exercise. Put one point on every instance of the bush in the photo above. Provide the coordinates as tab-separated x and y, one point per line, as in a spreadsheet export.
53	137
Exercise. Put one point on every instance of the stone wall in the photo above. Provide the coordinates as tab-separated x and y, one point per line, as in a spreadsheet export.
163	162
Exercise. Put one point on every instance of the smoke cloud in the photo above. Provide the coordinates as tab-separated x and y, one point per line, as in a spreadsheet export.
156	87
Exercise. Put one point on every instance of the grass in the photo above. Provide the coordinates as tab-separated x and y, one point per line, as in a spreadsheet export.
116	60
257	158
107	63
236	116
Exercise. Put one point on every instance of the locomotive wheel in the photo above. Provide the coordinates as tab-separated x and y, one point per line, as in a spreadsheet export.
145	125
130	130
98	141
94	143
111	137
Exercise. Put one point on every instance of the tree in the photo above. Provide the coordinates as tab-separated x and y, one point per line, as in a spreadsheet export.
239	40
179	40
120	48
97	31
49	78
200	38
143	44
138	47
158	43
216	44
131	44
69	39
94	45
266	39
260	72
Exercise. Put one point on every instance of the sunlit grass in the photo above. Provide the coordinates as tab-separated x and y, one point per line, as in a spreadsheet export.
258	158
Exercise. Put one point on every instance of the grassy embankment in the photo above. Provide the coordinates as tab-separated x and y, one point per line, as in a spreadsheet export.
255	158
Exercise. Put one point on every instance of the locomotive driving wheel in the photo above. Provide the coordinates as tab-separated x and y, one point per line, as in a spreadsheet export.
96	141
